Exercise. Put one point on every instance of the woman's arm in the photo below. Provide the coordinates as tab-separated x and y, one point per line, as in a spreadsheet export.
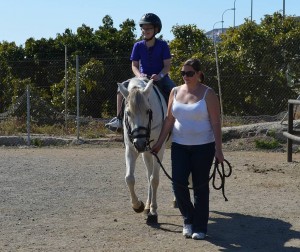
213	108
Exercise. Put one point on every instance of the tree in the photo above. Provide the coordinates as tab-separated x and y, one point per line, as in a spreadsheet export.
188	42
259	64
11	59
253	61
90	90
42	62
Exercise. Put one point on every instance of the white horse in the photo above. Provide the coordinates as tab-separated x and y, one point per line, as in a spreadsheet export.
144	114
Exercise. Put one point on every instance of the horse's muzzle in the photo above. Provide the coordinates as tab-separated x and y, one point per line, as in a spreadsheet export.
140	145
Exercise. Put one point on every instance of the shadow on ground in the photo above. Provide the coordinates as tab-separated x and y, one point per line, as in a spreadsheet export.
238	232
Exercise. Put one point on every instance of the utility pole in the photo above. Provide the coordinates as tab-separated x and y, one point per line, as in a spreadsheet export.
218	72
234	14
251	9
223	16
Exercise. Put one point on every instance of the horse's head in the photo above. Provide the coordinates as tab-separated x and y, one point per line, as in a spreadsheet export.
138	114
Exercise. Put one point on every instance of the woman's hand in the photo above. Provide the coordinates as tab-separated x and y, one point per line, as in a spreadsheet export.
219	156
155	148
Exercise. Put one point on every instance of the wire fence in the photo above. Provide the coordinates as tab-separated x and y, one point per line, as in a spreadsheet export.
60	109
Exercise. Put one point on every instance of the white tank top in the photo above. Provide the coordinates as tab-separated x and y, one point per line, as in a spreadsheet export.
192	125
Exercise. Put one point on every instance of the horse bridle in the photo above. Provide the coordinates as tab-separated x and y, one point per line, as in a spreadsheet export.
131	133
135	133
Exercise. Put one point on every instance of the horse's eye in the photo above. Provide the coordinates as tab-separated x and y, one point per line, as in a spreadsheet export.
128	113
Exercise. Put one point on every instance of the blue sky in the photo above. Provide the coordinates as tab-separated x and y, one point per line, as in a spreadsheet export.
22	19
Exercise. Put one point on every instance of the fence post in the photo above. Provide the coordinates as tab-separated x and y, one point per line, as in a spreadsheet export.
291	134
290	129
66	90
28	114
77	92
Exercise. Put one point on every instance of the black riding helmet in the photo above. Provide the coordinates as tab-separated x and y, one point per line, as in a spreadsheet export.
150	18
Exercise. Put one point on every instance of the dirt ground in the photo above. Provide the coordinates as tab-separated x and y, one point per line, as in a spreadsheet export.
75	199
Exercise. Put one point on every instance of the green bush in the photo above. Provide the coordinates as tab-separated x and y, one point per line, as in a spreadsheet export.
267	144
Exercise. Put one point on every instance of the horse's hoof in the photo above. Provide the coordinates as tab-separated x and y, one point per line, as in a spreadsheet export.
175	205
152	219
140	209
146	212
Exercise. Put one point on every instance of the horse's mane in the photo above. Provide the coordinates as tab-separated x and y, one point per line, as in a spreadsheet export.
136	101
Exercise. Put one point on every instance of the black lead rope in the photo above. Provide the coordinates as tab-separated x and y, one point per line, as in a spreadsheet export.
216	171
222	176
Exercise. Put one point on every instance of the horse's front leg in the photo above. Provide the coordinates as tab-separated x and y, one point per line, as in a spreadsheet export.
131	157
153	179
149	165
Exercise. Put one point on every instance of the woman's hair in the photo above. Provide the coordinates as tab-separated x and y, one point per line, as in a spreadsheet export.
196	65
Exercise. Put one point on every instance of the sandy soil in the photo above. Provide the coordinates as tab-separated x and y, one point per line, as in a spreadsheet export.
76	199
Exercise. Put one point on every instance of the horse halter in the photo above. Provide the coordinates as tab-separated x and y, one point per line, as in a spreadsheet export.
135	133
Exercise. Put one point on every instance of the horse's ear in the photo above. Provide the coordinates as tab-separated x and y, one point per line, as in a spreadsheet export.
148	88
123	90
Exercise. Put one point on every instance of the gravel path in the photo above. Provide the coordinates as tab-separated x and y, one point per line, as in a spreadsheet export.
76	199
